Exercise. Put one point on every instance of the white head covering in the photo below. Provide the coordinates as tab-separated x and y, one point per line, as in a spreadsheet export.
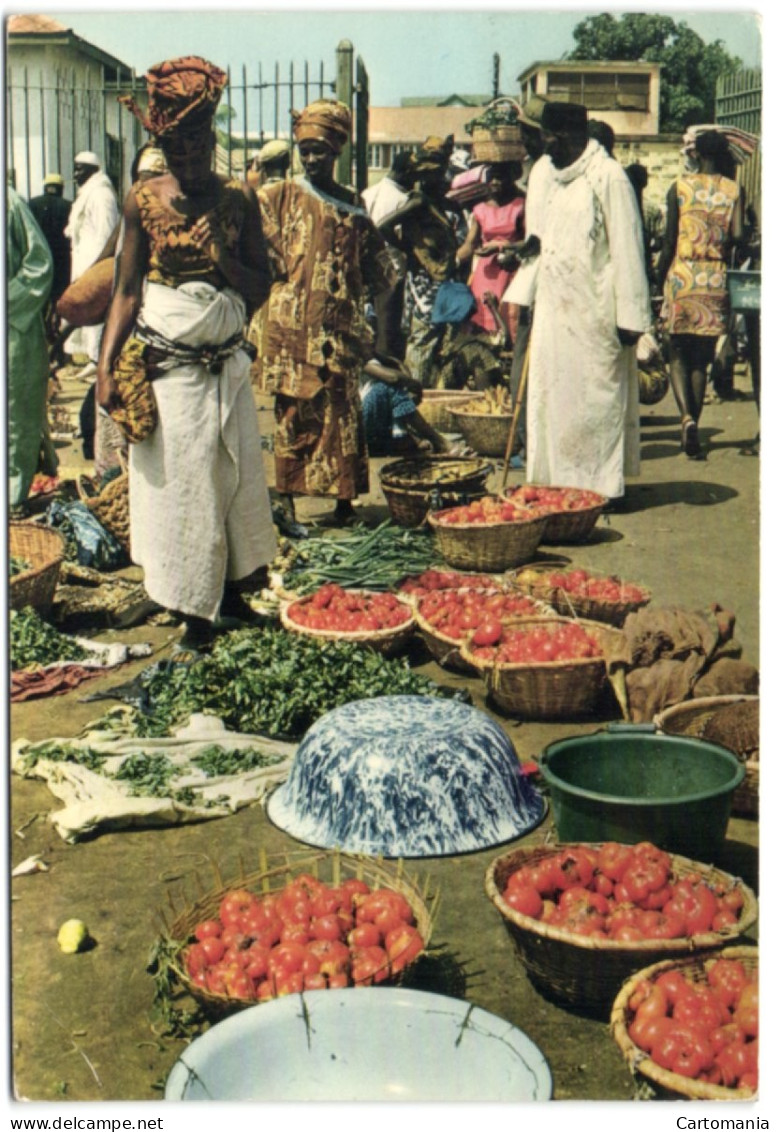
86	157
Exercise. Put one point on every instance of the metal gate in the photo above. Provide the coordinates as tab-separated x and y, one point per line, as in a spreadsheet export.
738	99
51	115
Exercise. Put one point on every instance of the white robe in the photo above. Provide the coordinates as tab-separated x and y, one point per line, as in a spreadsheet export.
199	507
583	398
93	217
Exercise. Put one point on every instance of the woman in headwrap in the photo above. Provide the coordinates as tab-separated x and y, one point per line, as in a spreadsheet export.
192	267
326	256
703	221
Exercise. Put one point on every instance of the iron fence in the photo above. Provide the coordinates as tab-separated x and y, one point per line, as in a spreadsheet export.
738	102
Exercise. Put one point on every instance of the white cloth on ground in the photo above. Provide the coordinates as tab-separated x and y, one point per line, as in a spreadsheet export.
199	507
93	217
583	398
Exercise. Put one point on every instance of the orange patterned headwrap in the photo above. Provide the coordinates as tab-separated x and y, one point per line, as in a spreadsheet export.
324	120
183	95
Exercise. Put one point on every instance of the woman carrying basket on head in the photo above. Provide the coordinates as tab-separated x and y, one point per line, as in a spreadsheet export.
192	268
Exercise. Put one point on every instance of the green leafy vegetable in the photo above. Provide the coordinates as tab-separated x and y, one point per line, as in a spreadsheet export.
34	641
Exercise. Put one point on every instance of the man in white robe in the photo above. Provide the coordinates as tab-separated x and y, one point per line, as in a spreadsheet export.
591	306
93	218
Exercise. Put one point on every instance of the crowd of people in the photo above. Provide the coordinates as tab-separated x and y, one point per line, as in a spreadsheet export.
346	308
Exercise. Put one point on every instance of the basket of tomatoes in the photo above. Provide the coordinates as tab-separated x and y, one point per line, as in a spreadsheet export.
436	581
578	593
487	534
301	921
542	667
445	618
585	917
377	620
689	1027
572	512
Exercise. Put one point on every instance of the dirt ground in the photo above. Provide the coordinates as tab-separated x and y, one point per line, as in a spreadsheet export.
81	1025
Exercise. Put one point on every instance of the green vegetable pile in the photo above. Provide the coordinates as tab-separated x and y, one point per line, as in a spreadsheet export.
18	565
361	558
269	682
64	753
505	114
34	642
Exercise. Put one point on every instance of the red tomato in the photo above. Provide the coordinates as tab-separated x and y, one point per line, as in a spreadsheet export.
285	958
326	927
525	900
735	1060
674	985
195	959
746	1010
364	935
370	965
295	933
207	928
213	949
728	979
403	944
684	1050
614	859
488	633
234	905
333	955
645	1032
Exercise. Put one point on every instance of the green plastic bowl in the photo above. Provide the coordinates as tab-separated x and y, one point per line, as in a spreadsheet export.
631	783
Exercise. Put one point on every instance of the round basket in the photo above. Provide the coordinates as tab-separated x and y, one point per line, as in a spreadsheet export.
44	549
569	526
486	433
447	473
691	718
409	508
111	508
490	548
501	143
559	689
587	971
667	1085
436	405
575	605
274	872
387	641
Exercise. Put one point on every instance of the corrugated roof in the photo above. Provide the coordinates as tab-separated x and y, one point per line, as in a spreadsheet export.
33	25
413	124
448	100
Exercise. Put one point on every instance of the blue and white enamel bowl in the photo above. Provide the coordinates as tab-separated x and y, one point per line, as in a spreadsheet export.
406	776
362	1044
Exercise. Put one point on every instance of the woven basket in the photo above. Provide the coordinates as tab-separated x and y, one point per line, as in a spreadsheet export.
667	1085
486	433
44	549
389	642
574	605
111	508
502	143
691	718
569	526
447	473
489	548
436	405
559	689
409	508
587	971
179	920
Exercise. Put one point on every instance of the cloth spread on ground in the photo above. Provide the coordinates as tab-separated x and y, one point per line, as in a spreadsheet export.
670	655
86	539
106	797
192	532
583	394
54	679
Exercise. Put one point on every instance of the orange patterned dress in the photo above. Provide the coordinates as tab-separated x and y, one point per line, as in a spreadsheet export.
695	292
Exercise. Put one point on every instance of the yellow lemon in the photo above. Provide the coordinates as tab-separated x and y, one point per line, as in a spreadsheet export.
72	936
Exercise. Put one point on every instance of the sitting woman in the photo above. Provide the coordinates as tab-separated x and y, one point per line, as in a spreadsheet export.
394	426
192	268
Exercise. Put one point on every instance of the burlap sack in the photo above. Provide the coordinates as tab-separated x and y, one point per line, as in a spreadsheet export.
86	301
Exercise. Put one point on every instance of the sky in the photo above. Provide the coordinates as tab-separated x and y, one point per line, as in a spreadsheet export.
407	51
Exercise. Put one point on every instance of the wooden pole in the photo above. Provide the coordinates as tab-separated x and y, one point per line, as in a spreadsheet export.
516	411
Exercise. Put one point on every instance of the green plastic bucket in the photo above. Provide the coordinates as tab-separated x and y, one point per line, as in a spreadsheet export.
631	783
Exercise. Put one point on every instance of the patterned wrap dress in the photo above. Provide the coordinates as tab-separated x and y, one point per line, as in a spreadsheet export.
502	223
695	292
326	255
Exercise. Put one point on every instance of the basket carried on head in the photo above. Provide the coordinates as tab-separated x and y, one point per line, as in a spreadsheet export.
557	689
274	871
412	486
389	642
486	433
111	507
487	547
585	970
500	141
665	1084
699	718
44	549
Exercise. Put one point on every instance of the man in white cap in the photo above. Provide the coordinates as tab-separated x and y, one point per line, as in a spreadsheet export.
273	162
93	217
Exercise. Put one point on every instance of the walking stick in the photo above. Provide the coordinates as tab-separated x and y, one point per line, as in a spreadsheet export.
516	410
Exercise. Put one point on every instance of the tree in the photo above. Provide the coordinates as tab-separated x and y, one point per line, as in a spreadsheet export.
690	68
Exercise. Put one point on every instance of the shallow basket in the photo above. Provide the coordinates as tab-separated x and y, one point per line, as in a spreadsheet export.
572	605
437	404
486	433
111	508
44	549
487	547
586	971
691	718
559	689
389	642
447	473
569	526
185	911
665	1084
447	652
409	507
